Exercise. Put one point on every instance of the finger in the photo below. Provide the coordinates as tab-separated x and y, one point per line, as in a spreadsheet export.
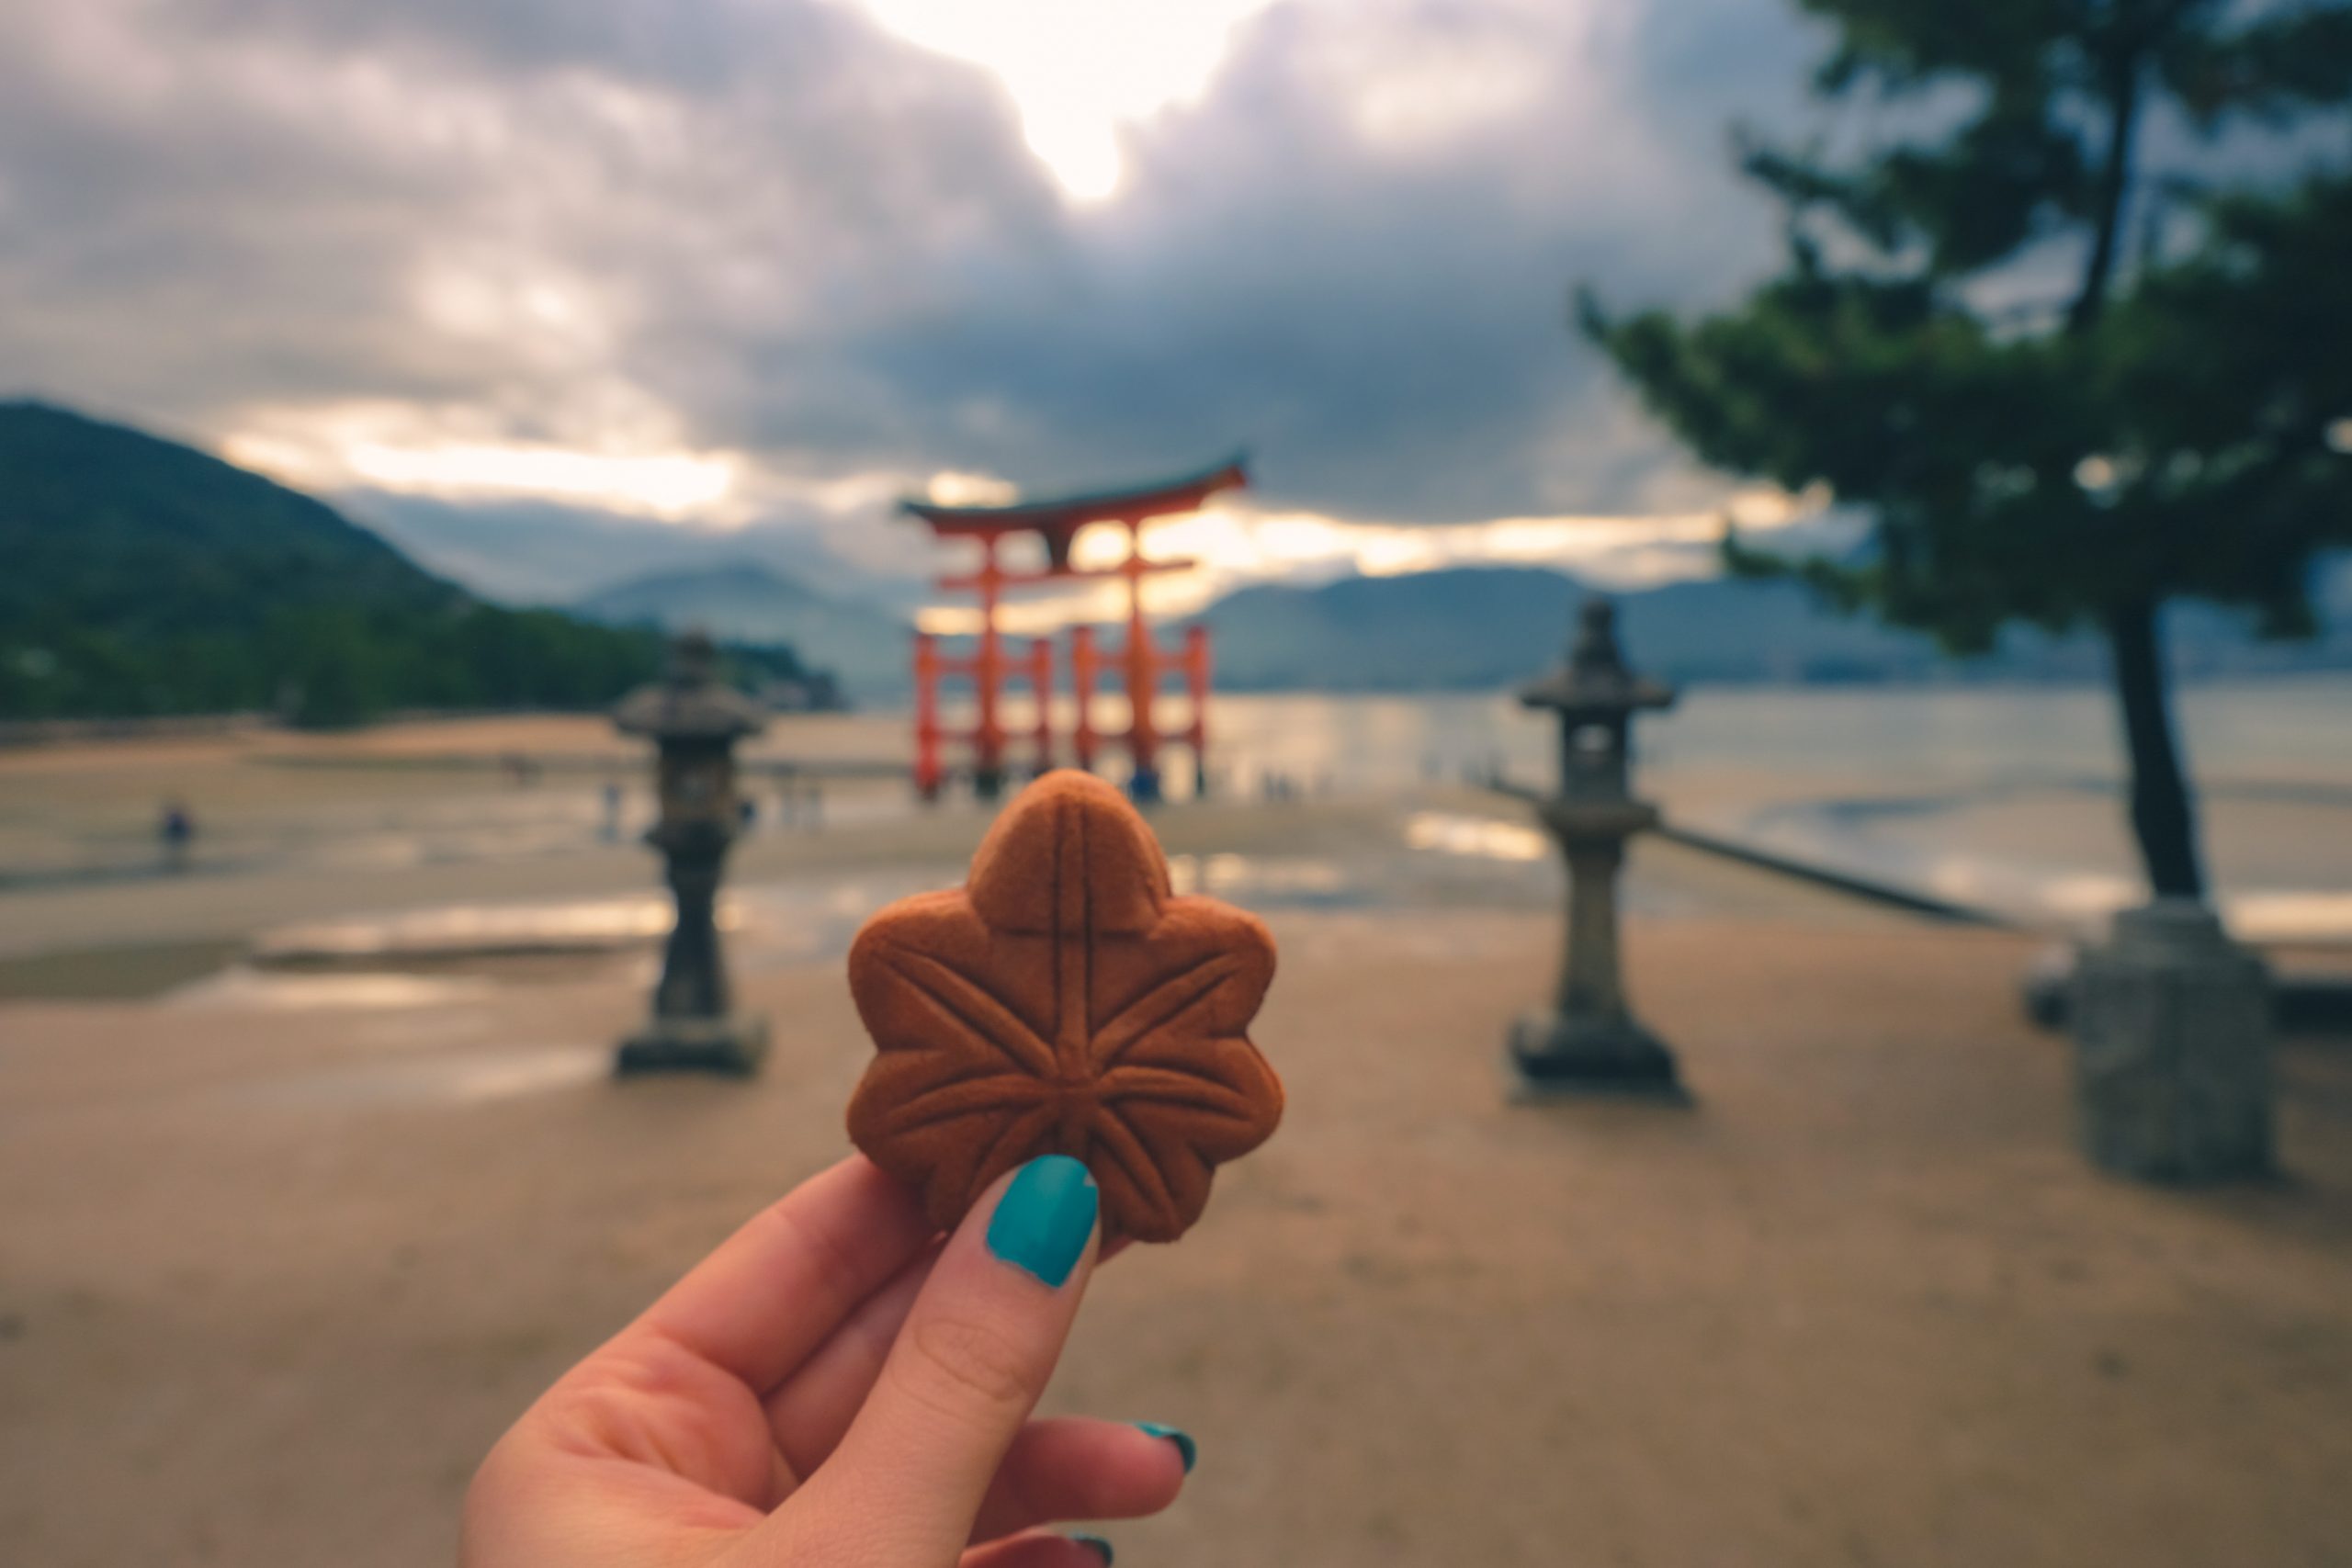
1074	1468
809	1410
778	1287
907	1480
812	1407
1039	1550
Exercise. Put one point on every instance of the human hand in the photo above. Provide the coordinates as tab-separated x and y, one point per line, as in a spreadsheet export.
835	1388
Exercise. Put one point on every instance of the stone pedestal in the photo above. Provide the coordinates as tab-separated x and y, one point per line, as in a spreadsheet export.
2172	1048
1555	1057
1589	1042
735	1045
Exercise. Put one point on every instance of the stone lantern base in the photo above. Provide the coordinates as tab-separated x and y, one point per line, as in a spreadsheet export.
2172	1048
1555	1057
733	1045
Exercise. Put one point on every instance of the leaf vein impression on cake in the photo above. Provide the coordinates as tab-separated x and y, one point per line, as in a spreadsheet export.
1064	1001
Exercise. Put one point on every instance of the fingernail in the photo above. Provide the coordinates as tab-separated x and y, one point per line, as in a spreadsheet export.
1100	1547
1040	1224
1190	1449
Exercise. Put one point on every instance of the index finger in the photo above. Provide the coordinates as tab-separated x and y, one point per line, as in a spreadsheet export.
908	1480
776	1289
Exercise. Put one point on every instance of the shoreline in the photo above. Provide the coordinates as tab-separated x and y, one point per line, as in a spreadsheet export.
299	826
25	734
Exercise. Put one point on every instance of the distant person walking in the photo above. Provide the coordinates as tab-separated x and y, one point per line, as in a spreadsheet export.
175	829
612	811
800	804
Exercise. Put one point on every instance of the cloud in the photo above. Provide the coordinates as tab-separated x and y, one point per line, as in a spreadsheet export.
604	236
1353	254
220	212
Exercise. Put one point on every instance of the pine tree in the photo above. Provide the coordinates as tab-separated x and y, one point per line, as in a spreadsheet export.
2177	423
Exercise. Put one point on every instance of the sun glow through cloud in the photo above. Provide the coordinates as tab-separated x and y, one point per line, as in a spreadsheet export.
670	485
1077	70
1230	546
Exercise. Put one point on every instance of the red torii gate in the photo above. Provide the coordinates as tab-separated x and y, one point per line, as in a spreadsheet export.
1056	523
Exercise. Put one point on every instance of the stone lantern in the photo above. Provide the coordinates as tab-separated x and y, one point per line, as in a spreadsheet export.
694	721
1589	1042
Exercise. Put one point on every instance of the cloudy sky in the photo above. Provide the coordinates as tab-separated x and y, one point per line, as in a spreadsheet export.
555	290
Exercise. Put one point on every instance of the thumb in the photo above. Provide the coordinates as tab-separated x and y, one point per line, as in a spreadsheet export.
904	1485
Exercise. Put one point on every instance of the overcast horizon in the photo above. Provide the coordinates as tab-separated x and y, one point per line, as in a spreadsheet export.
555	293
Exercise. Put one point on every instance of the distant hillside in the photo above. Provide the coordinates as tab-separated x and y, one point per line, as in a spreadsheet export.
865	648
145	577
1477	627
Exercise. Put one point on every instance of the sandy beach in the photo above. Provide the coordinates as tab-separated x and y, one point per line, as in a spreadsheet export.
288	1246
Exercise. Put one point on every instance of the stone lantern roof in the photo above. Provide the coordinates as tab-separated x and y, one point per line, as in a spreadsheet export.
1595	683
690	703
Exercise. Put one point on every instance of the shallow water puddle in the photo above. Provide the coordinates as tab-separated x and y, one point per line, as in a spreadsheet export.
464	930
243	987
1264	880
2070	897
441	1080
1481	838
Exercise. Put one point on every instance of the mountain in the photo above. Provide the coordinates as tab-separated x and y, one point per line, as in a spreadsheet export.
110	525
866	647
530	550
1486	626
144	577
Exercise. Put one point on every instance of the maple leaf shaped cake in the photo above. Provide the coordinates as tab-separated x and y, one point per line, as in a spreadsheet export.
1063	1002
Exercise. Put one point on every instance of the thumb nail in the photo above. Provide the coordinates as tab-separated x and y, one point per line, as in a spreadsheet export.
1041	1223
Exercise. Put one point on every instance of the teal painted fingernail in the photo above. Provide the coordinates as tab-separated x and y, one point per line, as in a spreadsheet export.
1190	1449
1095	1544
1040	1224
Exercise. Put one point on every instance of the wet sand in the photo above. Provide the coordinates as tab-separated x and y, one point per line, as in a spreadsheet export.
279	1272
287	1248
